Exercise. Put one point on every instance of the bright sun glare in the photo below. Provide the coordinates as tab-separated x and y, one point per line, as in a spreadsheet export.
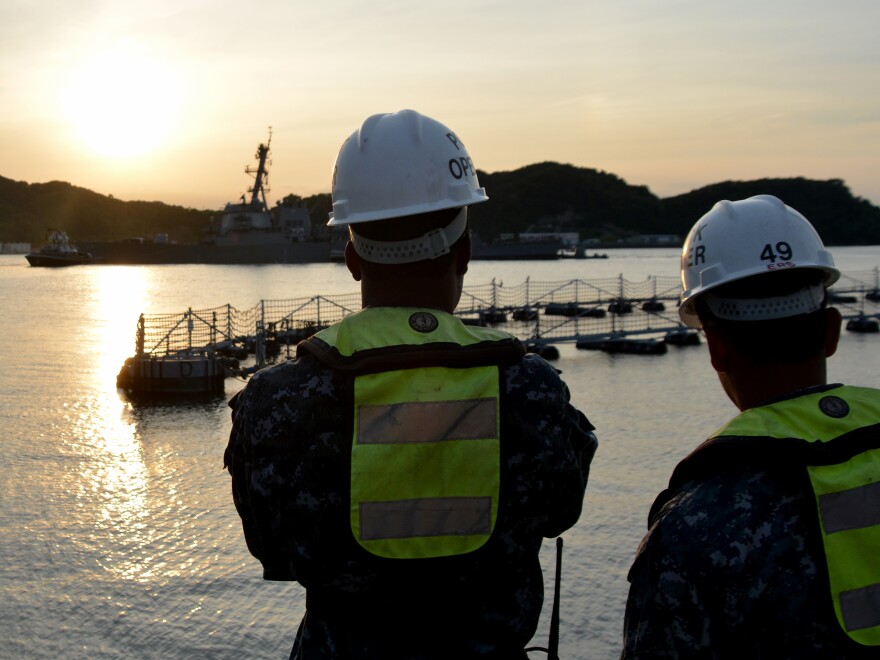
122	101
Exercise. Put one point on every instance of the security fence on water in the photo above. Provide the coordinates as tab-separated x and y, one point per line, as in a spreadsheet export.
539	313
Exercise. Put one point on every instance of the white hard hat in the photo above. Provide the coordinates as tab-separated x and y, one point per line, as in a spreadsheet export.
749	237
401	164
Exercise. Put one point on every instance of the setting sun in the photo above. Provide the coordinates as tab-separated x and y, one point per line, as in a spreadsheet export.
121	102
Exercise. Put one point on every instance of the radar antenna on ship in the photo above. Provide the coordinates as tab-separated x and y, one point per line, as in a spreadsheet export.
261	175
250	220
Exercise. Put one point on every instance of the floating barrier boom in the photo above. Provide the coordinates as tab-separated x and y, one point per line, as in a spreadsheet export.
577	311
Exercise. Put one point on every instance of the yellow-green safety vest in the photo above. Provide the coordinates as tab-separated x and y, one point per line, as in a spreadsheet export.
842	427
426	445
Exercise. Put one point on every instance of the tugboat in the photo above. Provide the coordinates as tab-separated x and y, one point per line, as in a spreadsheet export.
59	251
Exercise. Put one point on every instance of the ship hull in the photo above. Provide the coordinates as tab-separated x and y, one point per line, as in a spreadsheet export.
516	250
129	253
56	261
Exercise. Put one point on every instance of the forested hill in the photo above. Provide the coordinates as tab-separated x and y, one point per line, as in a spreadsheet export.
544	196
601	205
838	216
28	211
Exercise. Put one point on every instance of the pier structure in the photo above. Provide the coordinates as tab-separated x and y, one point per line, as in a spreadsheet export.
612	314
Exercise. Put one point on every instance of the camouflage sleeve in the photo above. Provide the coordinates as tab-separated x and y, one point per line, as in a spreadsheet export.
239	461
278	430
726	570
665	616
554	442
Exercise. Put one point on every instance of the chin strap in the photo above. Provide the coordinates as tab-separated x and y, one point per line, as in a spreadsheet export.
435	243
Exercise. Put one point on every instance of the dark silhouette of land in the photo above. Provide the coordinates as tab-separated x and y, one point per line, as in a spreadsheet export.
541	197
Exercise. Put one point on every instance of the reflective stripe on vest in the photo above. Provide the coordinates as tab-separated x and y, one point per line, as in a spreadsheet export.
847	495
426	448
425	461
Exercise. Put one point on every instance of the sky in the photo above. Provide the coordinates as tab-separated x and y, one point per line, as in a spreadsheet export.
168	100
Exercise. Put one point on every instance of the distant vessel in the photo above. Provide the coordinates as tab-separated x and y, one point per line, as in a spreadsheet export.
516	247
16	247
580	253
58	251
247	233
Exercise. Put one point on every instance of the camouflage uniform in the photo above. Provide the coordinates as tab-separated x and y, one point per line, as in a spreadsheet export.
733	564
289	457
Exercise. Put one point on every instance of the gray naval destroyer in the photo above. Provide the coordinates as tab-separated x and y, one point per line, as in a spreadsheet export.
247	232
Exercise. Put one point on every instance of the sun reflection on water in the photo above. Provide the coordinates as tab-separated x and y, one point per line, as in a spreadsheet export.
112	489
119	297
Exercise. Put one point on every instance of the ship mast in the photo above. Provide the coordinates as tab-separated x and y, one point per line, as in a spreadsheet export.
261	175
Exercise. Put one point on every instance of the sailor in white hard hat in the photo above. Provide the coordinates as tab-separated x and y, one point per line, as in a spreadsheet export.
406	467
767	541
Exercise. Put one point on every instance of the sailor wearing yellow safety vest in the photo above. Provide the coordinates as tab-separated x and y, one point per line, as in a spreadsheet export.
405	467
767	542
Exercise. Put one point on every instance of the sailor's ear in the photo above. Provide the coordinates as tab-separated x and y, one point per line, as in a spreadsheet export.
353	262
719	351
463	254
833	322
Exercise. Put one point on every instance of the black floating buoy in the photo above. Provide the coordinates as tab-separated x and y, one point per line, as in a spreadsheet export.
593	313
493	316
525	314
682	337
863	324
543	350
634	346
562	309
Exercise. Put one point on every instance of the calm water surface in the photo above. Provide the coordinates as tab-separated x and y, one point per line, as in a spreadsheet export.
118	537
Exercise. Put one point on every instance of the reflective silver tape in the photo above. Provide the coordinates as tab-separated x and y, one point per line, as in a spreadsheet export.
440	516
861	607
431	421
850	509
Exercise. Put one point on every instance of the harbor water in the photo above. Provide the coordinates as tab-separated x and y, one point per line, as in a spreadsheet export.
118	536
